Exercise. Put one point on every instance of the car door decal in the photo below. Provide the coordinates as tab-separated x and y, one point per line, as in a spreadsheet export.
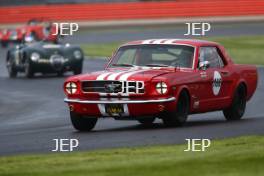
217	82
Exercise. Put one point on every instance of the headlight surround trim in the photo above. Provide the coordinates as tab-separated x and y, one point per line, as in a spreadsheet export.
35	56
77	54
161	88
71	88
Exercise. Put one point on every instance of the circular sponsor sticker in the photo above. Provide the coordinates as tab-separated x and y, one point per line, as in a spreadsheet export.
217	82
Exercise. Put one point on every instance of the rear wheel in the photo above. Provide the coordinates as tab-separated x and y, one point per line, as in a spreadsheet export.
11	68
82	123
180	115
146	121
238	106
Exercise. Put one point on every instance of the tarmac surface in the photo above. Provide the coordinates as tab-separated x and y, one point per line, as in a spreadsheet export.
32	111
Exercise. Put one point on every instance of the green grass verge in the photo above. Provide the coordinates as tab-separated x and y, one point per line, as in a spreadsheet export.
243	156
243	49
101	49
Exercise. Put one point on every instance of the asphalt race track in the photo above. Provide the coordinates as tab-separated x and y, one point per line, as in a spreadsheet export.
32	114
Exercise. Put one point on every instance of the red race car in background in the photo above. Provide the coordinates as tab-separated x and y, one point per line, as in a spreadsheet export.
39	29
164	78
35	30
10	36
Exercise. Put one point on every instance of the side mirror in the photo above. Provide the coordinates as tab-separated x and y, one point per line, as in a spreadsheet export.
204	65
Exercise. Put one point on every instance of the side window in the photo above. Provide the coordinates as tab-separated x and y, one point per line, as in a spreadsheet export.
211	54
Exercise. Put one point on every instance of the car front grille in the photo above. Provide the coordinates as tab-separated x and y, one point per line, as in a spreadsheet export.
113	87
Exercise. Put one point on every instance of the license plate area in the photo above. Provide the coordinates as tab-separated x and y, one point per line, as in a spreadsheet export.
114	109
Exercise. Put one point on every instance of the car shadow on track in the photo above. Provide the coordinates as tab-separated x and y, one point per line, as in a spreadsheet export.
160	126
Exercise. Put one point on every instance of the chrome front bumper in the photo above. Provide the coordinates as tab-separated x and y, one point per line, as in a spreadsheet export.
119	101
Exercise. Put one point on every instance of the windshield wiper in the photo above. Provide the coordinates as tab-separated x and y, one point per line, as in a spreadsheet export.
124	65
157	65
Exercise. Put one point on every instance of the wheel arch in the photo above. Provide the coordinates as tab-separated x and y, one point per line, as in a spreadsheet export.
240	83
182	89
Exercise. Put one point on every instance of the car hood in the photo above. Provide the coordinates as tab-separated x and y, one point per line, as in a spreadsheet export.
45	46
126	74
47	49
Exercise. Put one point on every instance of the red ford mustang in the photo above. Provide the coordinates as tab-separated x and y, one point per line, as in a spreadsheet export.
161	78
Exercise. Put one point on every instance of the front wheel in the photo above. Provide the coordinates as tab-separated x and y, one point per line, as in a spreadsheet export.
11	68
238	106
82	123
180	115
28	69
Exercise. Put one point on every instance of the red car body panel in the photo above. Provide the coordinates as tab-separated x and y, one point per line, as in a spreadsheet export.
37	29
198	83
6	35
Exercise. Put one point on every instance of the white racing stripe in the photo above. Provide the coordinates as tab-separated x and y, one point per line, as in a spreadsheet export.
170	41
158	41
103	76
125	76
147	41
112	76
115	75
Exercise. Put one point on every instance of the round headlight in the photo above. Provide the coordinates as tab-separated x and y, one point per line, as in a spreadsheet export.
35	56
161	87
71	88
77	54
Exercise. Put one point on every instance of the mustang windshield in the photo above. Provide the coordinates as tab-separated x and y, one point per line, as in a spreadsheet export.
154	56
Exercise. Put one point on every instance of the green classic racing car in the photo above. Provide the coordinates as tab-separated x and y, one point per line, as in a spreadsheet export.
44	57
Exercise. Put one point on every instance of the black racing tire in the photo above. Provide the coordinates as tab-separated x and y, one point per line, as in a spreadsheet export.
77	70
82	123
28	69
238	106
146	121
12	72
180	115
